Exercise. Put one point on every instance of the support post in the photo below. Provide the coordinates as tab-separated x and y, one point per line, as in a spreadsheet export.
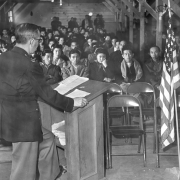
131	26
159	26
142	31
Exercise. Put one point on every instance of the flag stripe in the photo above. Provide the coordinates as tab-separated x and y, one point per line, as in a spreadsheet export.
169	82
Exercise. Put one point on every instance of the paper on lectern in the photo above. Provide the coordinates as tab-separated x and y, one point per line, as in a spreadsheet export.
78	93
70	83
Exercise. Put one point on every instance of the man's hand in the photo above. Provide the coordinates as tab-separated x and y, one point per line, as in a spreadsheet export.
107	79
104	63
80	102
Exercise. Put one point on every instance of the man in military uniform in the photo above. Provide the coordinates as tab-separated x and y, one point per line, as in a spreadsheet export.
22	81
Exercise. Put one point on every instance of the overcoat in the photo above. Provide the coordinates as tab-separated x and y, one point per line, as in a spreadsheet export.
21	83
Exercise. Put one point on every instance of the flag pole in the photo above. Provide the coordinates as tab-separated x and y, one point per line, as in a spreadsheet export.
177	129
176	114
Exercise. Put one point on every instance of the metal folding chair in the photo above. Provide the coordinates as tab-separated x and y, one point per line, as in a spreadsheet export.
125	130
139	88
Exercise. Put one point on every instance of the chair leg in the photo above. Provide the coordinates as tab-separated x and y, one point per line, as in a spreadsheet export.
144	148
139	145
155	134
110	150
106	150
157	150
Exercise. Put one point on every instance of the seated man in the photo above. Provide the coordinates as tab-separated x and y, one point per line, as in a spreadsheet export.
153	68
51	72
130	68
115	60
99	69
75	66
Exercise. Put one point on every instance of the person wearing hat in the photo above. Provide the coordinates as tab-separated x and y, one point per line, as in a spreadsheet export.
99	69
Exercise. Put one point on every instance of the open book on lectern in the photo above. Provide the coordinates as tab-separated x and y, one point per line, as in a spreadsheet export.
69	84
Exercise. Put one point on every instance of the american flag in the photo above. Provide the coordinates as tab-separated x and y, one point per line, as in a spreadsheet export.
169	82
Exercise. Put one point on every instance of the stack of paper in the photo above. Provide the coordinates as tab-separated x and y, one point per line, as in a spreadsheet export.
70	83
77	93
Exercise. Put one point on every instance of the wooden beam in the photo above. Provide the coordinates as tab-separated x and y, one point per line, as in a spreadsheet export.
108	7
112	5
149	8
117	3
142	32
130	5
11	7
131	26
159	26
174	6
3	5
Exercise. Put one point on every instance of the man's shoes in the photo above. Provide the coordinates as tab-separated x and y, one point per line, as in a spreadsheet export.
63	177
63	170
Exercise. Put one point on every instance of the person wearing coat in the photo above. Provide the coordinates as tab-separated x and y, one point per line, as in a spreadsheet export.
51	72
75	66
99	70
22	82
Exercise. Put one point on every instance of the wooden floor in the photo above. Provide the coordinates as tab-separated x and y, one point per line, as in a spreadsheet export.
124	168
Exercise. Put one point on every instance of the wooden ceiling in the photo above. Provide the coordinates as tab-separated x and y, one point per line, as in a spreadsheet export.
66	1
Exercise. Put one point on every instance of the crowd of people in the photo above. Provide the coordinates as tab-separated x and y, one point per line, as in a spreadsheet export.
89	51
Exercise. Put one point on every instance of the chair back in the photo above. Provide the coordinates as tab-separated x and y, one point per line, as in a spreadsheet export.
115	88
125	101
139	87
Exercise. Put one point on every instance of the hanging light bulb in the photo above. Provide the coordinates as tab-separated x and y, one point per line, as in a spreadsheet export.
52	0
60	2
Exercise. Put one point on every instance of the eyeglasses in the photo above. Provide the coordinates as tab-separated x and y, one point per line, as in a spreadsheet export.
39	40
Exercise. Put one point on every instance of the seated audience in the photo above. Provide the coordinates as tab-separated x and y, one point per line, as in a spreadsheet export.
5	36
51	72
130	68
153	68
62	43
115	60
51	43
58	60
113	48
13	41
75	67
99	70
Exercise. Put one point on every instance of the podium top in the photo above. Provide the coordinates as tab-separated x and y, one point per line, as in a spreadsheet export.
95	88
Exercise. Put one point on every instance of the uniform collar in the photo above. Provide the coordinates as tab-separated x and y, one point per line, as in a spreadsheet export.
20	51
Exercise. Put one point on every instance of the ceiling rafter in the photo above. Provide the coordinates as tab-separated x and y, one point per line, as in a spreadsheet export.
119	5
112	5
110	8
149	8
174	6
130	5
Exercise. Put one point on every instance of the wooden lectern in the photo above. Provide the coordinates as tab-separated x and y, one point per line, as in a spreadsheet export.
85	136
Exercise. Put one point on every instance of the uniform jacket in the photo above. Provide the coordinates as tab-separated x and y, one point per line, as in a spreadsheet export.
21	83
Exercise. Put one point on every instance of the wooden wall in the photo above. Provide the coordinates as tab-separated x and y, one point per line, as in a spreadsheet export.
42	13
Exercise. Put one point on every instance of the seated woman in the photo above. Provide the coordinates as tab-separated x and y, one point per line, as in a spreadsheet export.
153	68
75	67
99	69
51	72
130	68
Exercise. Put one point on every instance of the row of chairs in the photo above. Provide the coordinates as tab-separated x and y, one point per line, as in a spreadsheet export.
127	106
